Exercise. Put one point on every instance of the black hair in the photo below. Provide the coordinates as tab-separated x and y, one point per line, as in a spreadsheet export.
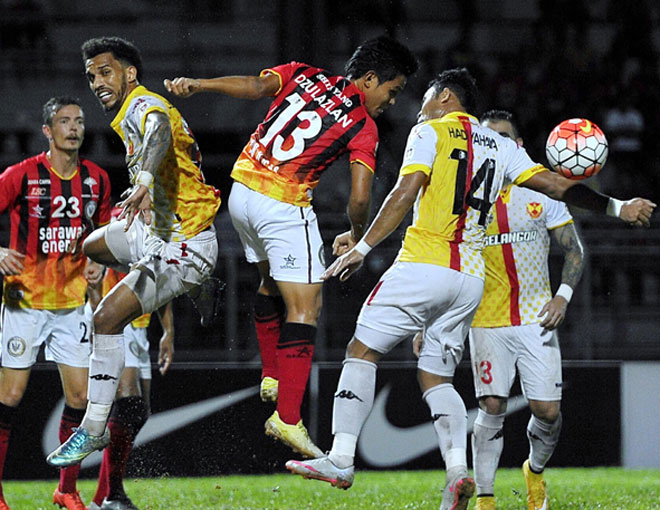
123	50
496	115
461	83
385	56
54	105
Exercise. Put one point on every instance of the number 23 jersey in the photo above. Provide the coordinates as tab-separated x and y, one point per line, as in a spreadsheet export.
466	167
48	214
314	118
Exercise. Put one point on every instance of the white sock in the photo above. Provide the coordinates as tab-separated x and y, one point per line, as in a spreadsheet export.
354	399
487	445
105	367
450	423
543	438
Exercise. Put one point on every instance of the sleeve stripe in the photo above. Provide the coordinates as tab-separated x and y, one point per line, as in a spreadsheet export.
529	173
356	160
415	167
272	71
567	222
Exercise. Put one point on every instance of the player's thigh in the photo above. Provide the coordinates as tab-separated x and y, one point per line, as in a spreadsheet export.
169	269
405	299
539	363
136	347
74	385
458	296
239	212
23	332
493	358
116	247
68	342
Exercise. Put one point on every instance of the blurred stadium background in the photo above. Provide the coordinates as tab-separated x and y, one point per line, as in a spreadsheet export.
544	60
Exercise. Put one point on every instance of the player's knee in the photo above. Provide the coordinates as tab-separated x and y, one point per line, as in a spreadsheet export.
493	405
545	411
11	396
77	399
105	322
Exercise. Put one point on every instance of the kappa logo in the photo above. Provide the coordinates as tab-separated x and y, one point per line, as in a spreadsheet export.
103	377
348	394
385	445
157	426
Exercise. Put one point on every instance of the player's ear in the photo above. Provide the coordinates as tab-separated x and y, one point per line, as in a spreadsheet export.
45	129
519	141
131	73
445	95
371	79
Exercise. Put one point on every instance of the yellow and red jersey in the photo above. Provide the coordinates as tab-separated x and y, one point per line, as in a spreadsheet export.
315	118
517	245
182	203
48	215
466	165
112	278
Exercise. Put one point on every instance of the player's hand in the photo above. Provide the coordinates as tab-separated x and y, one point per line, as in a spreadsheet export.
637	212
11	261
182	87
342	244
554	311
418	343
138	201
93	273
344	266
165	353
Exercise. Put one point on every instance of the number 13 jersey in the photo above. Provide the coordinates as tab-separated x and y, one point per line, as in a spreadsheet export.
467	166
314	118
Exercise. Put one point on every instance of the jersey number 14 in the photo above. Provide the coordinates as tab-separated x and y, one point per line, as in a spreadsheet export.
462	200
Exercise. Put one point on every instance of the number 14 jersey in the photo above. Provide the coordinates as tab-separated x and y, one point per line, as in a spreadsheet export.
314	118
467	166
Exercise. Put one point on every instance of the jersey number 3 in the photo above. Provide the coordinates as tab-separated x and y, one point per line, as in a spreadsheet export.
462	199
311	128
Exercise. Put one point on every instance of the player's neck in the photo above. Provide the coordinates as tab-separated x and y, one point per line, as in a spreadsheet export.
65	163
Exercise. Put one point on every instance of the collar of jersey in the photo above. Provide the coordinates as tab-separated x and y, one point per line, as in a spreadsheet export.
458	115
51	168
137	91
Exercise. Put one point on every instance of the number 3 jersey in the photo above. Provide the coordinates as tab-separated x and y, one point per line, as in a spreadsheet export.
48	215
517	246
467	166
314	118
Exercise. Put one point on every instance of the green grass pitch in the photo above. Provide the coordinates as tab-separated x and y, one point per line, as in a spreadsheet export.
592	488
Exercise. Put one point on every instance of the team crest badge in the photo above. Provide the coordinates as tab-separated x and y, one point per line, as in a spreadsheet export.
90	209
534	209
16	346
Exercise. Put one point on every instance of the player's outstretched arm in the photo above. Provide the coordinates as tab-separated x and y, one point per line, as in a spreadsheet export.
391	214
636	211
11	261
245	87
569	240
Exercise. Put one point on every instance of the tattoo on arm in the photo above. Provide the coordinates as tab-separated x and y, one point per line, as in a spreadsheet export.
157	141
571	244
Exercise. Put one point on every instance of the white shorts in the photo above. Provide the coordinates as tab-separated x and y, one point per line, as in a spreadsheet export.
285	235
498	352
412	296
65	334
137	350
161	270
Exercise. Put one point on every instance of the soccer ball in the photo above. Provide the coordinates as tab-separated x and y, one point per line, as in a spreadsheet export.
576	148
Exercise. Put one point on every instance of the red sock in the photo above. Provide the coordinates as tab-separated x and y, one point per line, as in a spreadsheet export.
103	487
6	418
71	418
269	312
294	358
127	418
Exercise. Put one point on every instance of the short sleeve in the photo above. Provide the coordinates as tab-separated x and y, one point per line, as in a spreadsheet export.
557	214
362	147
284	72
421	150
10	184
520	167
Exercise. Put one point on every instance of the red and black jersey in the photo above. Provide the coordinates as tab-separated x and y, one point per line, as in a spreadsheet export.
314	118
49	214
